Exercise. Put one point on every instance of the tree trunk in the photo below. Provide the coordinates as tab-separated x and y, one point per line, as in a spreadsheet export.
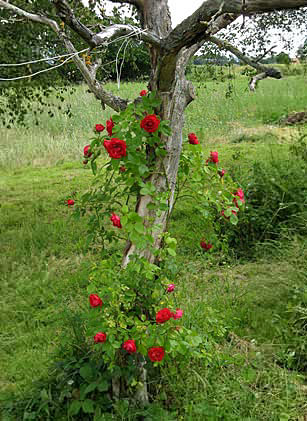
165	171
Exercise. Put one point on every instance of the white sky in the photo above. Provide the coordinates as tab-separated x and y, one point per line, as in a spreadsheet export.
180	9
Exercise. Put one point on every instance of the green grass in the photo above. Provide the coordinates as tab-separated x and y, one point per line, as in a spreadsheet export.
45	262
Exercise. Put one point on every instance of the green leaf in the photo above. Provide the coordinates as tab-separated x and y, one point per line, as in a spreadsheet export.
233	219
86	371
171	251
94	167
125	209
90	388
74	407
103	386
88	406
139	227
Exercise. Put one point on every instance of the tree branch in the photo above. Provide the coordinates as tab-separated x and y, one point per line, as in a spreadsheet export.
114	31
197	26
265	71
30	16
137	3
109	33
105	97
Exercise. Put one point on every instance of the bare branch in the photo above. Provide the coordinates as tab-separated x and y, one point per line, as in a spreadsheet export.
225	45
259	58
30	16
197	26
114	31
137	3
109	33
265	71
105	97
255	79
66	14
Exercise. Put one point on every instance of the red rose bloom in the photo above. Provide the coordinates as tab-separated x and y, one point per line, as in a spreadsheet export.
70	202
240	194
150	123
221	173
87	151
110	125
129	346
156	353
193	139
115	219
100	337
143	92
116	148
205	246
95	300
99	128
214	157
163	315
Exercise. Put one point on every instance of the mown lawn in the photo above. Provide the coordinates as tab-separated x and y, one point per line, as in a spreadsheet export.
45	261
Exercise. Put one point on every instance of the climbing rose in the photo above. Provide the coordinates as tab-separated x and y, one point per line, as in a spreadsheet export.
129	346
143	92
99	128
116	148
95	300
205	246
193	139
110	125
70	202
116	220
163	315
100	337
221	173
150	123
178	314
87	152
156	353
214	157
170	288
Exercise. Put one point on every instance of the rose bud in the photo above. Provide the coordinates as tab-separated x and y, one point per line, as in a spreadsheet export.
170	287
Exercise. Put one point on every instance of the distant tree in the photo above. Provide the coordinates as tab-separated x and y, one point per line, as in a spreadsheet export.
283	58
302	51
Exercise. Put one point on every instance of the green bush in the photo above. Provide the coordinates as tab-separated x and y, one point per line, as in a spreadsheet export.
276	195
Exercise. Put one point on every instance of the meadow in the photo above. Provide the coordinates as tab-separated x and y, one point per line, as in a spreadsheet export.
257	368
